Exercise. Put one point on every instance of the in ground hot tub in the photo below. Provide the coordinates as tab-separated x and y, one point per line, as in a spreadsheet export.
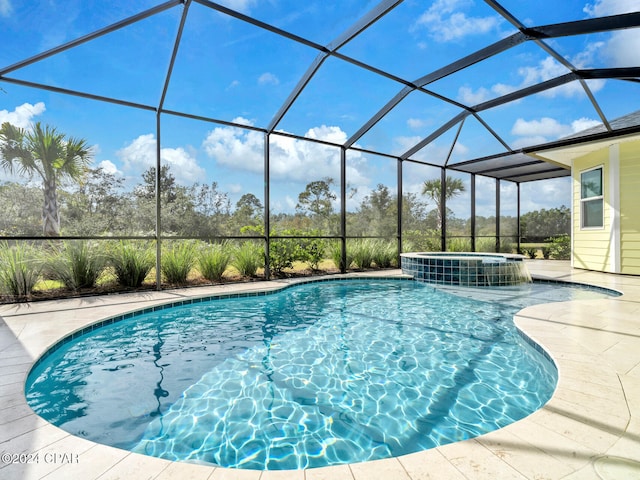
467	269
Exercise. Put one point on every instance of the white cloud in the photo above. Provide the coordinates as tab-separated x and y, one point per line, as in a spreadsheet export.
432	153
243	6
109	167
286	204
242	121
503	89
549	68
237	148
545	127
622	49
268	78
528	141
5	8
445	21
22	115
485	196
601	8
545	194
583	124
467	96
546	69
290	158
534	132
586	58
291	203
403	143
460	149
416	123
233	84
140	154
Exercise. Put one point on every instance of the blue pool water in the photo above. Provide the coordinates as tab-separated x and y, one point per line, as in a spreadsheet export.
317	374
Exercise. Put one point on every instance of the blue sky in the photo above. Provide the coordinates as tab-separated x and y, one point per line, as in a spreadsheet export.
233	71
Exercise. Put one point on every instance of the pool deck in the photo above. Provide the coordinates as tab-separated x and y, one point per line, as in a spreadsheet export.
590	429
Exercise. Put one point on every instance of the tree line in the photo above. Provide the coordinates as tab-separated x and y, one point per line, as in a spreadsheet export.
63	195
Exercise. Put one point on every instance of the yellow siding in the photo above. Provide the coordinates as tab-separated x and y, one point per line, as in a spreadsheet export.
629	207
629	236
591	249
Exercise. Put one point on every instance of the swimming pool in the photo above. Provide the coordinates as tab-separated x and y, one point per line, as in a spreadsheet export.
318	374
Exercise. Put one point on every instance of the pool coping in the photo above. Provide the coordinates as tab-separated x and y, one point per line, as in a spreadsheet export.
589	428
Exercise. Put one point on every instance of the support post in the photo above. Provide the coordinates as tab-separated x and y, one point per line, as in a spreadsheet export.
343	210
267	208
518	231
400	207
497	214
158	207
443	209
473	212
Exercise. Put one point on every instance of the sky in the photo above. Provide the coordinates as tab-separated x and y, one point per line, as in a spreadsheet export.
235	72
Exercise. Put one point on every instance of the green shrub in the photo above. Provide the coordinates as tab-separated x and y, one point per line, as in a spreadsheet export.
362	251
282	253
560	247
421	241
77	265
19	269
486	244
459	244
546	252
213	261
177	262
335	251
530	252
131	262
506	246
385	254
312	250
408	245
247	258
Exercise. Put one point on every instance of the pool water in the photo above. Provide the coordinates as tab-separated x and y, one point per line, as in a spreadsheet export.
317	374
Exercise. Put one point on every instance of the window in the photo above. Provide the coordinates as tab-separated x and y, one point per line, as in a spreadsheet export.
591	199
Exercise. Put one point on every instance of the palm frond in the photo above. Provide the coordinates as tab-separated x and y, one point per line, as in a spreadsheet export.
77	157
47	146
12	148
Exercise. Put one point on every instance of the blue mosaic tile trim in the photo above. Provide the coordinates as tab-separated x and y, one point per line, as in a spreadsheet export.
583	286
471	272
191	301
537	347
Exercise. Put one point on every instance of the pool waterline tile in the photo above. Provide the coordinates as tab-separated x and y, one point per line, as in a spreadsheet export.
214	297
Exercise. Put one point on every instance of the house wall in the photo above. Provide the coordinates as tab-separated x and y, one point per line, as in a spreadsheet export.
591	248
614	248
630	208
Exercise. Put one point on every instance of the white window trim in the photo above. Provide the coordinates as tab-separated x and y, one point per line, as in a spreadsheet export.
598	197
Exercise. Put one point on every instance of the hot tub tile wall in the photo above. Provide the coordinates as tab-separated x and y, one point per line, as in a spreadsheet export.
472	271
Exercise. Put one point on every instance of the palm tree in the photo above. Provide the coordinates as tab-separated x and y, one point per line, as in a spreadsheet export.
50	155
433	189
